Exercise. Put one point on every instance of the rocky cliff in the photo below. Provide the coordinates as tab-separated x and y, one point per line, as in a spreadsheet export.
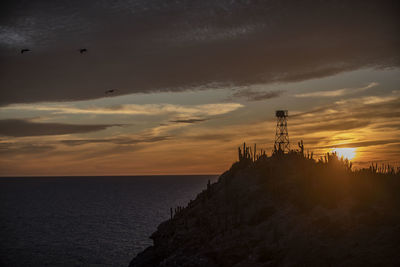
285	210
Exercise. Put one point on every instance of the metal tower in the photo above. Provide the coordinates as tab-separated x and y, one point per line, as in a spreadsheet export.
281	134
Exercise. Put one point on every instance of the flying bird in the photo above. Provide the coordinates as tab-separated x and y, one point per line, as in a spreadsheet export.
25	50
82	50
110	91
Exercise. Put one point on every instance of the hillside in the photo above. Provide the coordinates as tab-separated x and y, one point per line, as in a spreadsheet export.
284	210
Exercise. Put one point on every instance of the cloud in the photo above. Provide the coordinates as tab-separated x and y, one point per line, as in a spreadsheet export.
211	137
117	141
340	125
153	46
364	143
350	121
339	92
10	37
365	107
23	148
312	112
252	95
378	99
21	128
188	120
133	109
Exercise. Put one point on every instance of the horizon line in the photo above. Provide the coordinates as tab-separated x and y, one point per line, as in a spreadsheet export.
123	175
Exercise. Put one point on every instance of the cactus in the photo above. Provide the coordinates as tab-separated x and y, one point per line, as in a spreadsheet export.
301	146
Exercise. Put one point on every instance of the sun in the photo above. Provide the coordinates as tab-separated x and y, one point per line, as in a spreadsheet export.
345	152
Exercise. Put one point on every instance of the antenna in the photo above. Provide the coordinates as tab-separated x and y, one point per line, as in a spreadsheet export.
281	134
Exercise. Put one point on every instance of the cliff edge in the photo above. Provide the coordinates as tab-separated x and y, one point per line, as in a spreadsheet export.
285	210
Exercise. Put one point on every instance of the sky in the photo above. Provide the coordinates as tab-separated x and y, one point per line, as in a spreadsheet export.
191	81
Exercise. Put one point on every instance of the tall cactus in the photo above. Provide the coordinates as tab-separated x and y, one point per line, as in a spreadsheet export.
301	146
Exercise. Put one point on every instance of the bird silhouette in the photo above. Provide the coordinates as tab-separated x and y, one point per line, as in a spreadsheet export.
110	91
24	50
82	50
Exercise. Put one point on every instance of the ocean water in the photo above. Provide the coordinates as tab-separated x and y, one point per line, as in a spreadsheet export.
86	221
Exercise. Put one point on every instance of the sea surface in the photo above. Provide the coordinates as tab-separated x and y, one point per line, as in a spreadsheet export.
86	221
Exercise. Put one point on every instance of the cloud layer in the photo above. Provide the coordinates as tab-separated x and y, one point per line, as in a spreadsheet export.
354	123
117	141
132	109
251	95
338	92
21	128
151	46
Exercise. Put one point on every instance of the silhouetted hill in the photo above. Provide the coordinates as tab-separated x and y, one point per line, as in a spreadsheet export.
285	210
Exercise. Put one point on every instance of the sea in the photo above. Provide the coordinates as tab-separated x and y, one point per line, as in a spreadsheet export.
86	221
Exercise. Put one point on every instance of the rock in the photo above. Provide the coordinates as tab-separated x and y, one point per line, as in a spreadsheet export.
284	211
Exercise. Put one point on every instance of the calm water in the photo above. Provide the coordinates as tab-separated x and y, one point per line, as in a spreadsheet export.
86	221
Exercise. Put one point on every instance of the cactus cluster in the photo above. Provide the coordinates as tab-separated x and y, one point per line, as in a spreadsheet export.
384	169
247	154
175	211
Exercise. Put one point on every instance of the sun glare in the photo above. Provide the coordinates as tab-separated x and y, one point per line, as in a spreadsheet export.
347	152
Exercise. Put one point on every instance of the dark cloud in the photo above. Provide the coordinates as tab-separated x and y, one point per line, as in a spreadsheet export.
118	141
223	137
21	128
23	148
252	95
310	141
149	46
388	125
189	120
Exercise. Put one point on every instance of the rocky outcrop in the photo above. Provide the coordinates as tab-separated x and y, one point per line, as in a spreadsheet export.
284	211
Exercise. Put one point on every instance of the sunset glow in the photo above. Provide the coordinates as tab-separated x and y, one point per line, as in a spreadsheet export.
345	152
168	88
